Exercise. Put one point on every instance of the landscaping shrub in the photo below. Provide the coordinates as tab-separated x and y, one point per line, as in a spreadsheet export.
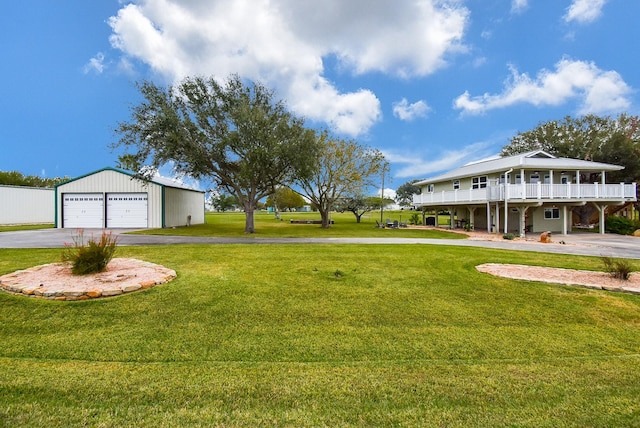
621	225
92	257
415	219
510	236
617	268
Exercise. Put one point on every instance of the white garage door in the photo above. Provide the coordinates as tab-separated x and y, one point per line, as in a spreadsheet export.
83	210
126	210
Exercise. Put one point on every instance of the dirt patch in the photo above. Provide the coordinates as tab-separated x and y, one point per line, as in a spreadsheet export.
582	278
55	280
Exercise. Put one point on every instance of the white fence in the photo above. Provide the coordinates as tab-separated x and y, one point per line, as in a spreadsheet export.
536	191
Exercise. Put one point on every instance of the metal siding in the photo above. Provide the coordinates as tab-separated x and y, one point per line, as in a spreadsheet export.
110	181
181	203
155	206
26	205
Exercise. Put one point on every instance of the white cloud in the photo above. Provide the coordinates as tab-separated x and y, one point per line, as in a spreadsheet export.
430	164
283	43
584	11
597	90
95	64
518	6
408	112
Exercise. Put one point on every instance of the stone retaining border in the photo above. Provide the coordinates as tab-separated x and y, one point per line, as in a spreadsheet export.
54	280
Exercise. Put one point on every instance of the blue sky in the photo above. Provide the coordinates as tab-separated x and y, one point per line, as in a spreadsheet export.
433	84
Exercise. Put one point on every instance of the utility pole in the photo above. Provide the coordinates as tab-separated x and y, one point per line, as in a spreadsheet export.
384	168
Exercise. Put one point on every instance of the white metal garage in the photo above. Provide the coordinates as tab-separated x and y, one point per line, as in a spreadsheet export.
112	198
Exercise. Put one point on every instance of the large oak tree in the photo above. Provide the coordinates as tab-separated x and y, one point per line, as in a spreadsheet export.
236	135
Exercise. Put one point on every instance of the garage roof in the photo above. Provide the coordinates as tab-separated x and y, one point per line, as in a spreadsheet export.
162	181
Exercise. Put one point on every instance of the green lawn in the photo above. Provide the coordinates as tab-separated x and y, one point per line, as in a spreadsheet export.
323	335
25	227
267	226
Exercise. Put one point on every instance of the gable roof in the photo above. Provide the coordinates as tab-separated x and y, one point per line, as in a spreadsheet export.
161	181
536	159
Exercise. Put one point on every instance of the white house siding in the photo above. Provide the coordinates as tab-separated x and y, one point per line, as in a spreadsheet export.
543	225
26	205
112	181
180	203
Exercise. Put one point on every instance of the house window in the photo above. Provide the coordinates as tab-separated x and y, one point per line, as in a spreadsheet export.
547	179
551	213
518	179
479	182
565	179
456	184
534	178
430	188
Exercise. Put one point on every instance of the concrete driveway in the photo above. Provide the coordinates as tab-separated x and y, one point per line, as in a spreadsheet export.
588	244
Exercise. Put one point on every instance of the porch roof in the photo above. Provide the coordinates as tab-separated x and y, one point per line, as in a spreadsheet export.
537	159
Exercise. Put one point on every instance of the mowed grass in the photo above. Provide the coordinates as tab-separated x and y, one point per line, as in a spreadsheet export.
25	227
323	335
231	224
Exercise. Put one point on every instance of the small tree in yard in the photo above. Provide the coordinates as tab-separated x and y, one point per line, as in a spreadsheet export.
343	168
222	202
284	198
235	135
404	194
358	204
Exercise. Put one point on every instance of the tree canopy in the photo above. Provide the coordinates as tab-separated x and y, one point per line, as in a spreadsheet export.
591	137
284	198
404	194
237	135
15	178
223	202
343	168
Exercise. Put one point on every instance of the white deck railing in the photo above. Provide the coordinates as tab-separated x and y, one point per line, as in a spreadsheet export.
531	192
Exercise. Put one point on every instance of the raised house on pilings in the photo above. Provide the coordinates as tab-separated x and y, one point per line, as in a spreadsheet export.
529	192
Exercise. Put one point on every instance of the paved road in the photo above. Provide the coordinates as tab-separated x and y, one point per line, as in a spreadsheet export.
588	244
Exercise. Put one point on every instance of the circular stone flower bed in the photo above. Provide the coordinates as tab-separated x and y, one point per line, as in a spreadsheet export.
55	280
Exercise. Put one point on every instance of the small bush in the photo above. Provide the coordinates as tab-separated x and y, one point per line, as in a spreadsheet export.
92	257
617	268
509	236
415	219
621	225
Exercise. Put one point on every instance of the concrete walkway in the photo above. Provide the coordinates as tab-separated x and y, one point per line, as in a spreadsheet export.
588	244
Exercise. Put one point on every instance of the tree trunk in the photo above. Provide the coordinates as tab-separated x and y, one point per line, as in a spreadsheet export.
358	216
324	215
249	226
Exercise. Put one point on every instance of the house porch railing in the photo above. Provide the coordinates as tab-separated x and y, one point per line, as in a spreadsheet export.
531	192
